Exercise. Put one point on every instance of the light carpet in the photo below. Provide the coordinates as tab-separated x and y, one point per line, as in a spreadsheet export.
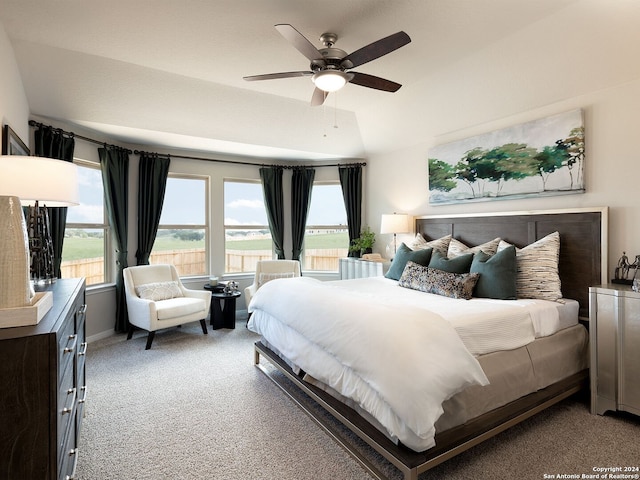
195	407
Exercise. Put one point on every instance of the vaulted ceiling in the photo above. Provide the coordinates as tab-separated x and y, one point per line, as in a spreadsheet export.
168	73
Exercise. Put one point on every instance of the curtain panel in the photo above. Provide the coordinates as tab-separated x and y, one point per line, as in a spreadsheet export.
114	165
274	201
53	143
351	183
152	184
301	187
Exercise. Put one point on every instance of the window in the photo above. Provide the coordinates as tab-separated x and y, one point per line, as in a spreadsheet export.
85	252
247	237
326	237
182	237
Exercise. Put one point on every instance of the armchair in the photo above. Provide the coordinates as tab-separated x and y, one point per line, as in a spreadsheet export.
269	270
157	299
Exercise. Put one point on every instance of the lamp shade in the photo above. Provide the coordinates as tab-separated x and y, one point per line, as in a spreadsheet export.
330	80
48	181
394	223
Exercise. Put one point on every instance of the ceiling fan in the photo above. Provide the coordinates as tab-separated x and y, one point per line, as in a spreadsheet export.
329	68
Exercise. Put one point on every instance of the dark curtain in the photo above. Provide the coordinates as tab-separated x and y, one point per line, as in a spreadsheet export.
152	183
114	164
301	186
52	143
351	182
272	189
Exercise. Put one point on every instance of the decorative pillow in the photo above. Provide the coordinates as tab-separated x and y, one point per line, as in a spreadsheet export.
267	277
430	280
497	274
457	248
459	264
405	254
441	244
159	291
537	264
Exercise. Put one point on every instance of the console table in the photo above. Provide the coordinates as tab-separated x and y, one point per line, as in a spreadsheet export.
42	374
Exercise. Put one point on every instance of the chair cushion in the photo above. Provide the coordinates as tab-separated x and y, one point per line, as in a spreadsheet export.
265	277
179	307
159	291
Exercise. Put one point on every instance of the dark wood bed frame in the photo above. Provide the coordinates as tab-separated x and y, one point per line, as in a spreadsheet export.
583	262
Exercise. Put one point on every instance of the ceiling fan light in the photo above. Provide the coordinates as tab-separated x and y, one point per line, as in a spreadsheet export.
330	80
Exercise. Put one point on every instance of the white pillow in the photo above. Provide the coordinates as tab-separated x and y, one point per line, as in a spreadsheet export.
267	277
441	244
457	248
159	291
537	264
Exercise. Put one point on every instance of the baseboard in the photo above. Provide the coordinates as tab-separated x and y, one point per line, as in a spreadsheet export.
100	336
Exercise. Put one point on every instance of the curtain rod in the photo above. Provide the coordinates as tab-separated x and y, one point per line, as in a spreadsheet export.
33	123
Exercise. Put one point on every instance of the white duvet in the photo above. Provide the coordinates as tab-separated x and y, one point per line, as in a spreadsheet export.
410	360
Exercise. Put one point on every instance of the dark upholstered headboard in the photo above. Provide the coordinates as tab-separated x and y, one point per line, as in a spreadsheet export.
583	240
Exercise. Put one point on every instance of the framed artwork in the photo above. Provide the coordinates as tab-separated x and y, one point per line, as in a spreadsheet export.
11	143
543	157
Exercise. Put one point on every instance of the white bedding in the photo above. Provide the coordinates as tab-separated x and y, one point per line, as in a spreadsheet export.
485	325
432	338
354	355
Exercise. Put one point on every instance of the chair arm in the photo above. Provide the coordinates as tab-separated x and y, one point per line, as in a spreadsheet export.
141	312
249	292
203	294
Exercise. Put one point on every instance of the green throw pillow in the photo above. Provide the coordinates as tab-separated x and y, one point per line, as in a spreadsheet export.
459	264
497	274
403	255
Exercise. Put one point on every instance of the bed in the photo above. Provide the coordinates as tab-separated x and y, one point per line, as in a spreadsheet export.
493	362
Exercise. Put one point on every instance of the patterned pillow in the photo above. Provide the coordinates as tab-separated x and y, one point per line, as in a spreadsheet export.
267	277
439	282
457	248
439	245
537	266
159	291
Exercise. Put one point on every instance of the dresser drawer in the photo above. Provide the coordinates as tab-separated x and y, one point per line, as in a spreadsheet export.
69	458
67	345
67	400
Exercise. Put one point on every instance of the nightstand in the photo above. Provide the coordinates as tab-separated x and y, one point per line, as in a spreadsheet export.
614	337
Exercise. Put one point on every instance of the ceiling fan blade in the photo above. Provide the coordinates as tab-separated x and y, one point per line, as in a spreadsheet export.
299	41
318	98
376	49
272	76
365	80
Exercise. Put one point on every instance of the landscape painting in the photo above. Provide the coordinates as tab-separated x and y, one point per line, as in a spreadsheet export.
539	158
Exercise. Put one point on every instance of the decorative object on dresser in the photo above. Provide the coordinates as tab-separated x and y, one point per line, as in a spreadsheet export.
394	223
614	336
622	273
42	373
26	181
157	299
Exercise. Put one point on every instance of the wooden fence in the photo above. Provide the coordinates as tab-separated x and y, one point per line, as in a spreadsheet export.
191	262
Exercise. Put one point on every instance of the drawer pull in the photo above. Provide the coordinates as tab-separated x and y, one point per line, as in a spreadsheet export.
84	394
83	309
71	393
73	339
83	349
73	452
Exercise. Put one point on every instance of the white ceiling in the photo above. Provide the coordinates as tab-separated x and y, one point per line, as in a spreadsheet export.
168	73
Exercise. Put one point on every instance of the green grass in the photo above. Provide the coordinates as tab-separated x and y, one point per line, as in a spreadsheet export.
78	248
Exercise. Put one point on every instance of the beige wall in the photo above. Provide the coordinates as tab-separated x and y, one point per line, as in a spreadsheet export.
14	109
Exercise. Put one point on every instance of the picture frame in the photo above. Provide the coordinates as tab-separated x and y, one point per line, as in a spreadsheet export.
12	144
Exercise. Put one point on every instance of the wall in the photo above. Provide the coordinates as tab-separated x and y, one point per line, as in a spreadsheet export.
14	109
583	57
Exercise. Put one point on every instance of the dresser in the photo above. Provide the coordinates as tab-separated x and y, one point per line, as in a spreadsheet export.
357	268
614	336
43	390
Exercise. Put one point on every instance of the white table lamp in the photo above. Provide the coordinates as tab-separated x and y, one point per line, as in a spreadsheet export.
27	181
394	223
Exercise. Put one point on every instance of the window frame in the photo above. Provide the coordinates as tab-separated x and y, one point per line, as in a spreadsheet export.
185	226
108	256
321	227
226	227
